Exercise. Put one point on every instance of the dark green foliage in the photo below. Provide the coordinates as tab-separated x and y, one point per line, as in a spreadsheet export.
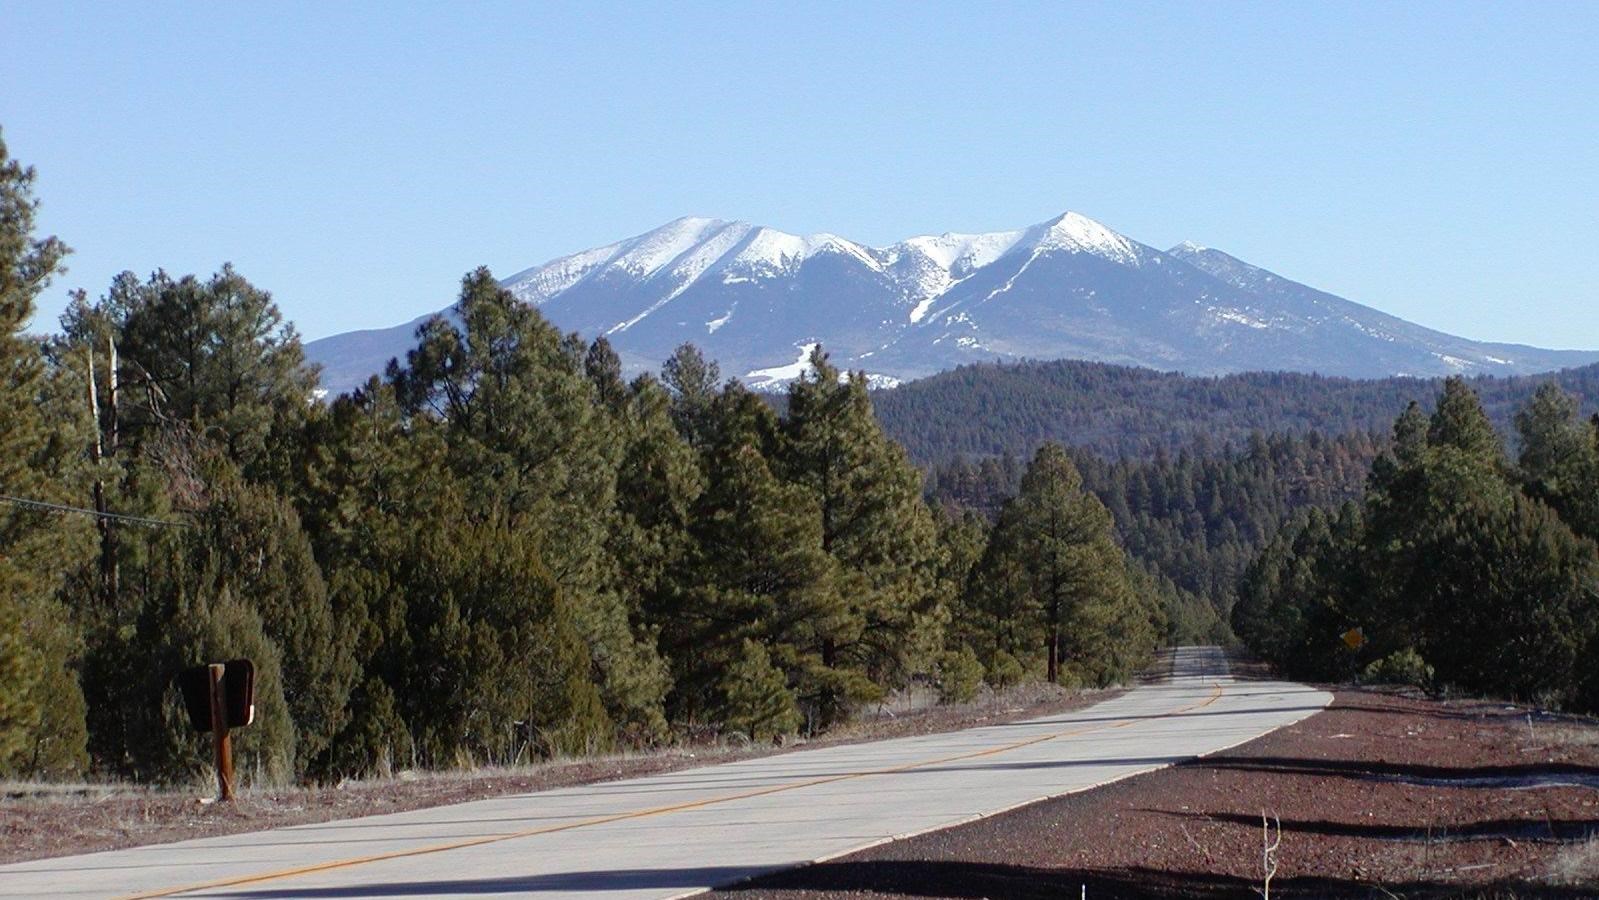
874	524
693	383
960	675
1056	586
264	558
757	571
184	627
1559	461
1193	521
41	715
529	436
180	610
756	699
214	355
1457	570
495	667
1289	607
1010	408
19	680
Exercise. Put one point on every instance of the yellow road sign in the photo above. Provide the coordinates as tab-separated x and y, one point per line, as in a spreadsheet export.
1355	638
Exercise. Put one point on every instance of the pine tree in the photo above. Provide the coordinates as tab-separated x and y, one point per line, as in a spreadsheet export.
874	525
529	439
1450	571
692	381
1459	422
41	720
604	370
496	669
757	701
372	479
757	571
1559	461
1060	536
658	483
20	670
215	355
184	619
264	558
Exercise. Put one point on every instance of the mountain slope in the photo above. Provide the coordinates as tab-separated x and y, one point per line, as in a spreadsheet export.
755	298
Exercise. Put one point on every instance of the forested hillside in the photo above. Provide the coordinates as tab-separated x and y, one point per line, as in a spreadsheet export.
1113	411
498	551
1194	520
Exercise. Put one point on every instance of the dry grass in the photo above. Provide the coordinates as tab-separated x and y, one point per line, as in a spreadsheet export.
1577	865
1566	734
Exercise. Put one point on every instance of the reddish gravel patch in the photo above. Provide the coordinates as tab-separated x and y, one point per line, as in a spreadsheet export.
1382	795
44	821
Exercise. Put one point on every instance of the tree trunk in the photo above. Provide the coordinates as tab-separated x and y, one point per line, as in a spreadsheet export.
1054	653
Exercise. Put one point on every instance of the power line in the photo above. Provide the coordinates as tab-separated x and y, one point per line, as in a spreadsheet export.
116	517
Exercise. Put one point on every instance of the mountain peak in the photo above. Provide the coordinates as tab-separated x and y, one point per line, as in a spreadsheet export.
1077	233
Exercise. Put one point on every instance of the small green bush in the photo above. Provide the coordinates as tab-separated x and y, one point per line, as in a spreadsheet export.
1005	671
960	674
1401	667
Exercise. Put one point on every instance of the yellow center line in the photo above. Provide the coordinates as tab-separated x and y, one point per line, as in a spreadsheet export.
235	881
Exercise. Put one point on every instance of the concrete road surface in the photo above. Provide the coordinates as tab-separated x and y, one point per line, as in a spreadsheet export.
678	833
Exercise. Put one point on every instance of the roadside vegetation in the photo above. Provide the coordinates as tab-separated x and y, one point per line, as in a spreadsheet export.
499	551
1461	567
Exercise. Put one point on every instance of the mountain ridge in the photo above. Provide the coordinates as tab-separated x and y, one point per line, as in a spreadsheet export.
753	297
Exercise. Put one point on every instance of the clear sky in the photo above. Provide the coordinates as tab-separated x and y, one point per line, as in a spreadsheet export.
1439	162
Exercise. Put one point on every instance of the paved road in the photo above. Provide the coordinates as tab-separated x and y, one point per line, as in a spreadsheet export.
677	833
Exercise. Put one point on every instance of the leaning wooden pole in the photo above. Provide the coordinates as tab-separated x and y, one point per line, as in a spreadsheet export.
102	449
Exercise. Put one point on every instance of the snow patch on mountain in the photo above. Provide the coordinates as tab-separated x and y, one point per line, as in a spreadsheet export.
961	253
719	321
919	311
763	378
1238	316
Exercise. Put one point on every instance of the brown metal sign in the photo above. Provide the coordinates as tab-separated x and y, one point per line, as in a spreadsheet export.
238	694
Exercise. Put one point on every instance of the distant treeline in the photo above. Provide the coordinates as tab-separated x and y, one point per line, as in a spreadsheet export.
1194	520
1118	412
1460	565
499	550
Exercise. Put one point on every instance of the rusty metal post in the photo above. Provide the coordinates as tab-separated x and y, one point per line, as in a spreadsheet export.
219	734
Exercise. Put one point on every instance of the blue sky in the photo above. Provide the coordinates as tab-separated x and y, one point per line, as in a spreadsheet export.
1439	162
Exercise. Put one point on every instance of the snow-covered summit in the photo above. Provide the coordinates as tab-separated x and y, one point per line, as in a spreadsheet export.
691	249
1075	233
752	297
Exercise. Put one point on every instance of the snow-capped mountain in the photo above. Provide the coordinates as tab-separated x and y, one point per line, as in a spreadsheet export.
755	299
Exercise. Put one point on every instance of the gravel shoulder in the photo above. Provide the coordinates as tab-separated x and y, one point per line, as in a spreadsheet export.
39	821
1384	794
